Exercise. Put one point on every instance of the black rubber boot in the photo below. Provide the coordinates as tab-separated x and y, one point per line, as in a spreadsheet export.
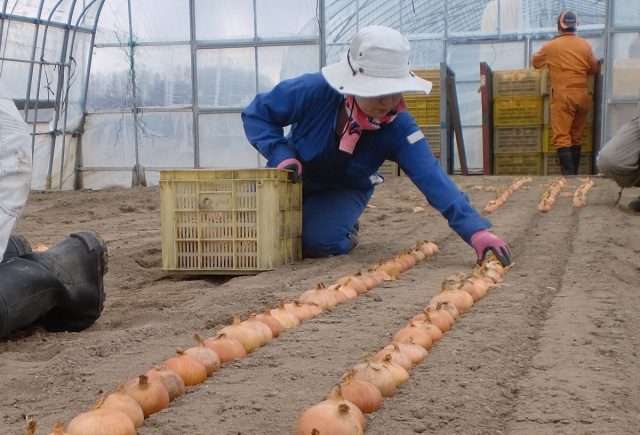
566	161
16	246
635	205
575	157
63	286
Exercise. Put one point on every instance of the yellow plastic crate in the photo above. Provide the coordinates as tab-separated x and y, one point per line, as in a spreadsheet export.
517	164
518	82
586	141
424	109
229	222
551	166
432	134
517	139
433	75
517	110
389	169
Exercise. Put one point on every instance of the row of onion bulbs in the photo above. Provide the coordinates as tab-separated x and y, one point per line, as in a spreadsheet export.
363	387
124	410
499	200
580	194
551	194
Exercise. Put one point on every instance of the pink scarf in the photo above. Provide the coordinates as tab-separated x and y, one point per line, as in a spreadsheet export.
359	121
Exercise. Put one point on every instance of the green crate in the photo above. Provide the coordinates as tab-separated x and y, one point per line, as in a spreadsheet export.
586	141
518	110
517	82
517	139
517	164
232	222
551	166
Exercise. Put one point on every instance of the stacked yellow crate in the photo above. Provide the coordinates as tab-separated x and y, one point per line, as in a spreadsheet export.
550	164
517	120
426	109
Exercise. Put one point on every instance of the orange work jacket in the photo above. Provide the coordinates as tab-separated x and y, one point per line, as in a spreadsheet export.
570	60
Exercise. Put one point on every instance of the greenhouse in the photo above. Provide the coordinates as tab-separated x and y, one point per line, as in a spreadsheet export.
108	86
319	217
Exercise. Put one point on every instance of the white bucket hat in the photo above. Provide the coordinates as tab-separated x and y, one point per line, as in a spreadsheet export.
376	64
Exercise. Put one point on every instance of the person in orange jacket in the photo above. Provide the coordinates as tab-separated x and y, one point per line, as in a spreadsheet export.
570	60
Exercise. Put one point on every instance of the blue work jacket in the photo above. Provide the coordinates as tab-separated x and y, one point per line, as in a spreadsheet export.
310	106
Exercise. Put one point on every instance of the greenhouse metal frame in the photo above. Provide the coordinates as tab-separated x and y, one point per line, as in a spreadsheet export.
117	90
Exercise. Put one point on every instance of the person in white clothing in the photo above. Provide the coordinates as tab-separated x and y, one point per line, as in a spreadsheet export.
62	288
15	172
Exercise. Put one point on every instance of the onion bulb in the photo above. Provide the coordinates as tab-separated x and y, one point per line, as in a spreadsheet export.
123	402
356	282
449	308
391	268
245	335
101	421
420	335
400	375
263	332
339	296
429	248
413	351
170	379
334	416
226	347
347	290
396	356
453	294
363	394
151	396
433	330
442	319
303	311
368	279
376	374
207	357
319	296
286	317
189	369
273	323
379	276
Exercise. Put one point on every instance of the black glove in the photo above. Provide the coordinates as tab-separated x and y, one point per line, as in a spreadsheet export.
294	167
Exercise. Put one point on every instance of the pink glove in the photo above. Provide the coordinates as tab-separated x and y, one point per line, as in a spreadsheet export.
483	241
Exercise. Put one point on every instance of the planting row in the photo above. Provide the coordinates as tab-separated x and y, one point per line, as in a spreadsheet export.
124	410
363	387
548	197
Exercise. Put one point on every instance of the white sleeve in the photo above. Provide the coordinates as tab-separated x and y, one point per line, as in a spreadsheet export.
15	167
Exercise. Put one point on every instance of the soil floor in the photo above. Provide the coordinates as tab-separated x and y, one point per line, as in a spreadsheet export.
553	350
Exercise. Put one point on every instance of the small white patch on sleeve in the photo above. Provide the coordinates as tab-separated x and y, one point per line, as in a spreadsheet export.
415	136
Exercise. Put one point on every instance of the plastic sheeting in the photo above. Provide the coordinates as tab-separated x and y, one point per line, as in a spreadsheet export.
247	46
